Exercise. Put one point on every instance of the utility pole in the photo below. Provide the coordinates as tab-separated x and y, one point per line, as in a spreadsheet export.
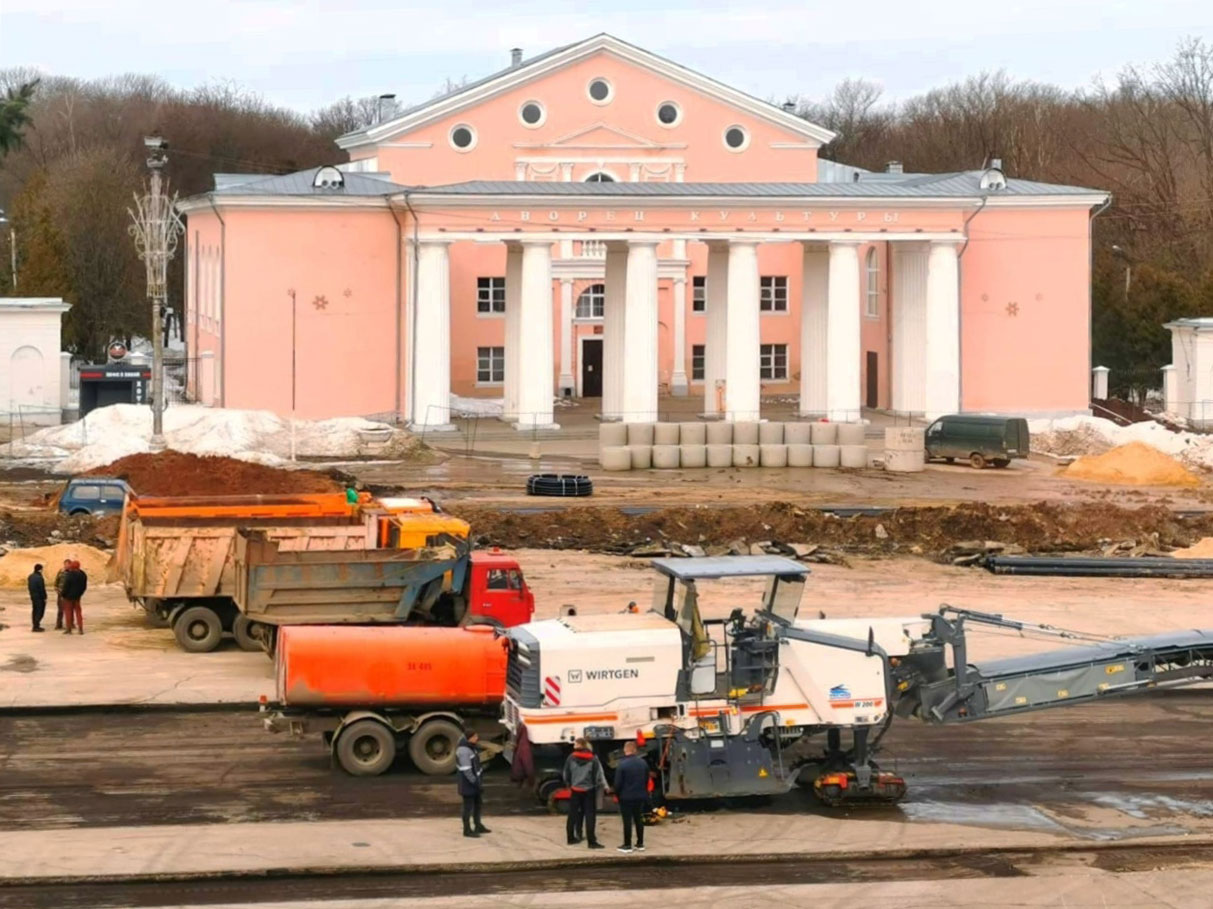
156	228
12	246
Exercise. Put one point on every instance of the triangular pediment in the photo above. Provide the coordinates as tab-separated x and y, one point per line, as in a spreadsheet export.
597	137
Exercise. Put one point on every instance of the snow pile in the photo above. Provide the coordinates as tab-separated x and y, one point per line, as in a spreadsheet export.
1083	435
260	436
477	407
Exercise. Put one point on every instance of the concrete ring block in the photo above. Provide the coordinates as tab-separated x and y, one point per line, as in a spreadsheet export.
615	457
773	455
770	433
719	455
800	455
666	433
612	434
853	455
745	432
850	433
665	457
823	433
746	455
797	433
642	456
693	433
905	461
904	438
719	433
640	434
693	455
823	456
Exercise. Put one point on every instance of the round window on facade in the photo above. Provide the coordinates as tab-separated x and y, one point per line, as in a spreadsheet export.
600	91
532	114
736	138
669	113
463	137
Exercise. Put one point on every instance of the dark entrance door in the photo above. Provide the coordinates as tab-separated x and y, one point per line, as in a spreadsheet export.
873	381
591	368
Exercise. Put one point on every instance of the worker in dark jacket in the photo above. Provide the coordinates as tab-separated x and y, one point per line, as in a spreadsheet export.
75	583
60	577
37	596
584	776
469	776
632	787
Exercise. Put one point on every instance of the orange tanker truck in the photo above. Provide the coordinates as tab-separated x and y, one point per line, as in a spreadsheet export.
372	692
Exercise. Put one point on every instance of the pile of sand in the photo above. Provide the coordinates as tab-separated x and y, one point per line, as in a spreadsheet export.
1201	549
17	564
172	473
1134	464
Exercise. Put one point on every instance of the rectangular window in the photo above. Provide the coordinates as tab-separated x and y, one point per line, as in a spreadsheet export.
773	293
697	362
773	361
490	296
490	365
699	293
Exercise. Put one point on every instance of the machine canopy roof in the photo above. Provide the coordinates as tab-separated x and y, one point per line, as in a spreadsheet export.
729	567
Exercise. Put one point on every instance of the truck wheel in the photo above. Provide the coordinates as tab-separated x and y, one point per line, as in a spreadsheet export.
198	629
242	631
366	748
432	747
1001	462
977	461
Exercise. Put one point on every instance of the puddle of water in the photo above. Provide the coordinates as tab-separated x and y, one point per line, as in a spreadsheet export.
1144	807
1009	815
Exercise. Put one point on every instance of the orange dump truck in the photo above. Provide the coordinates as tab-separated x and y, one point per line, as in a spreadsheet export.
177	557
372	692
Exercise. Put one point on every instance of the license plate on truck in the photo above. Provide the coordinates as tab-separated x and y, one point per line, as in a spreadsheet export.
599	732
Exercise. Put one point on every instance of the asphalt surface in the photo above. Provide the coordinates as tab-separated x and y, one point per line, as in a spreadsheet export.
637	873
1146	754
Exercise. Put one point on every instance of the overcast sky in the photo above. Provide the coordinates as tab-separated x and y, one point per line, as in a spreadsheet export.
305	54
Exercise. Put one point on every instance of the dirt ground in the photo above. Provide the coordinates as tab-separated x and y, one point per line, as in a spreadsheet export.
172	473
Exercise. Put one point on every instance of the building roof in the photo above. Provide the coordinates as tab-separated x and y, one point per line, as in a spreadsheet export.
964	184
34	304
302	183
511	76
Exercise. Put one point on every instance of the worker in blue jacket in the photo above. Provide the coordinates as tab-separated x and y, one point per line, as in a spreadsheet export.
469	777
632	788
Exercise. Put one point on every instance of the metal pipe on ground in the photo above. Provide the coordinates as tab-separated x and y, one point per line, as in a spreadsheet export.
1097	566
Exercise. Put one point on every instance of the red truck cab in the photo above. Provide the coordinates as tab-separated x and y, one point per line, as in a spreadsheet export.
497	590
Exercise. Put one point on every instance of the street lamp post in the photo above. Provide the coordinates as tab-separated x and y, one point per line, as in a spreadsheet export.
156	228
12	246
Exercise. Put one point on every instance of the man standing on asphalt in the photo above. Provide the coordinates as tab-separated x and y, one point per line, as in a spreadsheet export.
60	577
632	787
74	585
37	596
469	776
584	776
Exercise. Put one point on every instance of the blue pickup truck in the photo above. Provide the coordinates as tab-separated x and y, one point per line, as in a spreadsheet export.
97	496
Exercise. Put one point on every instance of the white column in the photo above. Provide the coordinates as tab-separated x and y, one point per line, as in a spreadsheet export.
814	324
943	330
535	336
432	341
613	318
742	386
678	379
1099	383
716	295
640	333
1170	391
909	306
513	313
566	384
843	334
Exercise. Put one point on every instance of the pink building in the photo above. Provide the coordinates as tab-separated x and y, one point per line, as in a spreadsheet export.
601	222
